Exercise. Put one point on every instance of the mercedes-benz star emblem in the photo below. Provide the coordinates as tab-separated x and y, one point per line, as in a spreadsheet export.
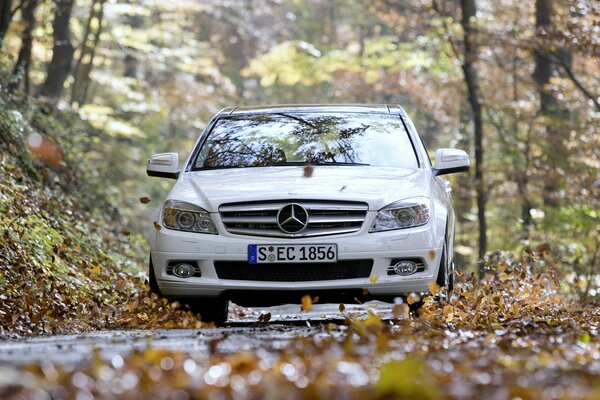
292	218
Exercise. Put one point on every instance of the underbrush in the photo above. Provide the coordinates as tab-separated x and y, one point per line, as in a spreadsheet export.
66	262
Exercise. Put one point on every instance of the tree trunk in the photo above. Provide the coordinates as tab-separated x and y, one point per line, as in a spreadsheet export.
21	69
469	9
85	61
521	171
62	53
543	64
5	18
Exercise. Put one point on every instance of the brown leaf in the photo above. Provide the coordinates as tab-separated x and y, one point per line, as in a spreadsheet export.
400	311
145	200
308	171
120	285
264	317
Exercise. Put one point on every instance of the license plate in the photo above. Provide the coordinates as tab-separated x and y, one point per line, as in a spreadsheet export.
295	253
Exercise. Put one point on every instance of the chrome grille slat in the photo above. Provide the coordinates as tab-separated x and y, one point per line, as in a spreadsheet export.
250	208
317	219
277	233
324	218
250	220
275	206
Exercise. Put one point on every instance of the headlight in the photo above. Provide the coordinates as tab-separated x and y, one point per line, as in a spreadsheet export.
187	217
402	214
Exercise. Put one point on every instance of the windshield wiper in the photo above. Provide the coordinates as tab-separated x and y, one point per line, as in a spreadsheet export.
340	163
217	167
286	163
278	164
303	163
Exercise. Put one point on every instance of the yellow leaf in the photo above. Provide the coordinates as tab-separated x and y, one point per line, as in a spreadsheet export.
372	319
434	288
374	279
448	312
406	379
306	303
413	298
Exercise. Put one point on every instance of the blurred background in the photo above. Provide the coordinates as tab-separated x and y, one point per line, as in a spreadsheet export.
514	83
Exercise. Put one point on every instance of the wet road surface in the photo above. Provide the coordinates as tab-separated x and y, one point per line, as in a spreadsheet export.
242	332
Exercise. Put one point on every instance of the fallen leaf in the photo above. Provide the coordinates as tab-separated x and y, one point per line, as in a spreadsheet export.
434	288
120	285
413	298
400	311
145	200
373	279
264	317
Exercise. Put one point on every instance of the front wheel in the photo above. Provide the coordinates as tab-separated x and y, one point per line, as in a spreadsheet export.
210	310
446	271
152	282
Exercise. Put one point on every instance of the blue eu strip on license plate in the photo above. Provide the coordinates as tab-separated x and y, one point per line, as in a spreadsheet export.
252	254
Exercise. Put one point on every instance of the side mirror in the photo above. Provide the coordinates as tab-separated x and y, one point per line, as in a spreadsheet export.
163	165
448	161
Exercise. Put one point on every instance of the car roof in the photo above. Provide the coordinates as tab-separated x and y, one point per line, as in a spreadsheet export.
313	108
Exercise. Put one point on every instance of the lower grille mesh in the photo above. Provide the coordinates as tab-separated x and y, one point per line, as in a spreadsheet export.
241	270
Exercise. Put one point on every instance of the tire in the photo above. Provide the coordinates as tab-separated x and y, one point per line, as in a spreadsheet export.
445	277
152	282
210	310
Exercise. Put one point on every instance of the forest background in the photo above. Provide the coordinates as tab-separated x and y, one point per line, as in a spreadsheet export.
514	83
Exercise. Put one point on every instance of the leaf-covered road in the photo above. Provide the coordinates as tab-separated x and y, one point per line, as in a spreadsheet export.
306	355
243	332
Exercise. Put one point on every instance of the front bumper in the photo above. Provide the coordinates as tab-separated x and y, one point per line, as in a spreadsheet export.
382	247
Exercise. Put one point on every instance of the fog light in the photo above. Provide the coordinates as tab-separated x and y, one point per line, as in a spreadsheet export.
183	270
405	268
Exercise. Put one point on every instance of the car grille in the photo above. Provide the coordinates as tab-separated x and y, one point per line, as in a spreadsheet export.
241	270
324	218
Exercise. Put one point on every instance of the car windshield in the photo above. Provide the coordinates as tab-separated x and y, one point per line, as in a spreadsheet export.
279	139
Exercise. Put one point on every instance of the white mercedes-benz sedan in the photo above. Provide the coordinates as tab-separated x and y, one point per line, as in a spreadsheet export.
273	203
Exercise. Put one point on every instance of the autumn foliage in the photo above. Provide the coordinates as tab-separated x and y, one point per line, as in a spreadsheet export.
512	333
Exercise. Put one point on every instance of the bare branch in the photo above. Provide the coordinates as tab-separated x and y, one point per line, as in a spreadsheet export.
576	81
16	9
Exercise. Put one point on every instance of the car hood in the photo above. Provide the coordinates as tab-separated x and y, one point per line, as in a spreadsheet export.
377	186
